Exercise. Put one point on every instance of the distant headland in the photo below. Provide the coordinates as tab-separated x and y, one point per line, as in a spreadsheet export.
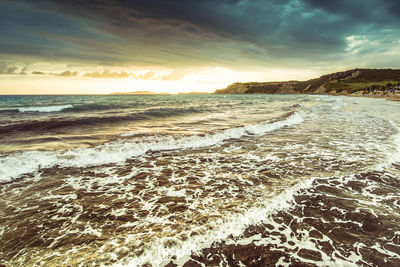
357	82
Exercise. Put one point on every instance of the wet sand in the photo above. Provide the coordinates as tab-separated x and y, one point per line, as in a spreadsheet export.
334	220
391	98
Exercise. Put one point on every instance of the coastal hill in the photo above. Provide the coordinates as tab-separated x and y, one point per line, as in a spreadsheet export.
356	81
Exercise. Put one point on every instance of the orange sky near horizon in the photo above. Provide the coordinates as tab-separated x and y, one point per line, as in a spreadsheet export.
206	80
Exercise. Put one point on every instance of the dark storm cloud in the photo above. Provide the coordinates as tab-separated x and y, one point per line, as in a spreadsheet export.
35	33
364	9
242	18
192	32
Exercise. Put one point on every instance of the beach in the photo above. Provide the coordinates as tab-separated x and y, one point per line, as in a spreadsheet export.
199	180
387	97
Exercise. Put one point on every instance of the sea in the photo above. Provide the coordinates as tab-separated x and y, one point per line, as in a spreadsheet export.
199	180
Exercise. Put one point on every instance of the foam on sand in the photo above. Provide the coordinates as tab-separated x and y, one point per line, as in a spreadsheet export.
159	254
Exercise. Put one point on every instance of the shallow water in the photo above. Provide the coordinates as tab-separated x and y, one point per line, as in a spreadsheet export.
199	180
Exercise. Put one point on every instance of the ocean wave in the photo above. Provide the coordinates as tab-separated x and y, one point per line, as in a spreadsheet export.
45	109
65	108
120	151
97	107
39	126
9	110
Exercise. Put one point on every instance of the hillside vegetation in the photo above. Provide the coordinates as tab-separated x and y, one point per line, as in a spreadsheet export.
356	81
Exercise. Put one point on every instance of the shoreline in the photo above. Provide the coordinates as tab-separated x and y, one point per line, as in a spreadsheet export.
391	98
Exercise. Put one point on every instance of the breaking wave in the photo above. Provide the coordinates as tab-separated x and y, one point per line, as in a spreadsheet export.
118	152
56	123
45	109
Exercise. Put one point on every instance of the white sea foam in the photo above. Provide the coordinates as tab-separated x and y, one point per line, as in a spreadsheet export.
27	162
118	152
128	134
393	155
45	109
160	255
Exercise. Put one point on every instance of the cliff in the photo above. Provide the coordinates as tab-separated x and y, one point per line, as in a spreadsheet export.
356	81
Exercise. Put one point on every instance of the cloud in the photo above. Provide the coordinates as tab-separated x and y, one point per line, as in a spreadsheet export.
108	74
176	34
33	34
173	76
150	75
8	69
142	75
280	26
11	70
23	71
38	72
158	75
67	73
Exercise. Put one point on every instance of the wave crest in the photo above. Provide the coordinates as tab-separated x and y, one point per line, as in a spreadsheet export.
56	123
120	151
45	109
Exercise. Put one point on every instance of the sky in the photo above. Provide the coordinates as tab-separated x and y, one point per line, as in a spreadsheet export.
100	47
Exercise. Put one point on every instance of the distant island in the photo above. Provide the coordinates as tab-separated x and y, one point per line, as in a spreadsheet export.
153	93
139	93
358	82
193	93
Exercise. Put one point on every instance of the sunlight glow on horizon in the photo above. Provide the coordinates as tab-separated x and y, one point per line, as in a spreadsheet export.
206	80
